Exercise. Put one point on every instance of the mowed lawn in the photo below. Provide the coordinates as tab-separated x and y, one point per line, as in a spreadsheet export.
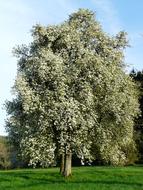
83	178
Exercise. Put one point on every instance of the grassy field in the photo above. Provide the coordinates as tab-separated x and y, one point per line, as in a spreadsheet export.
83	178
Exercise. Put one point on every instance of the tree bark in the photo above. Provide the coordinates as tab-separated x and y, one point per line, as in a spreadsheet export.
67	165
62	164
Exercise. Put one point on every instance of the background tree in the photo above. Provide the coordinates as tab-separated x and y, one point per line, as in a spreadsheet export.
137	76
72	93
5	160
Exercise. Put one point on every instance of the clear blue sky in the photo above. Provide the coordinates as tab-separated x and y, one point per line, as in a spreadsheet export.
18	16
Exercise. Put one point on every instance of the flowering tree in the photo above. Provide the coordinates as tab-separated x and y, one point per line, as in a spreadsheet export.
70	89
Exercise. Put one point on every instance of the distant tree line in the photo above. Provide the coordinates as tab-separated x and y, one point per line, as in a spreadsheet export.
4	153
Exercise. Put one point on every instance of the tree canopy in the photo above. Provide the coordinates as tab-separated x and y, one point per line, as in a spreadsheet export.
72	94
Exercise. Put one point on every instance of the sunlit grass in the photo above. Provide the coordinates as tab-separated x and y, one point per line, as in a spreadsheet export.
83	178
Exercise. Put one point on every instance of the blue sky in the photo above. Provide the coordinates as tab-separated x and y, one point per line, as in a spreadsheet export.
18	16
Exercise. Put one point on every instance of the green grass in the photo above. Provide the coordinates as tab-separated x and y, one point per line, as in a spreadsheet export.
83	178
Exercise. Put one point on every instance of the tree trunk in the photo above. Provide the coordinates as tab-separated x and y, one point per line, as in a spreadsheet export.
62	164
67	165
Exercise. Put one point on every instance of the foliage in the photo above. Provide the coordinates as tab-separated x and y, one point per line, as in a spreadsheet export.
138	127
5	161
72	93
